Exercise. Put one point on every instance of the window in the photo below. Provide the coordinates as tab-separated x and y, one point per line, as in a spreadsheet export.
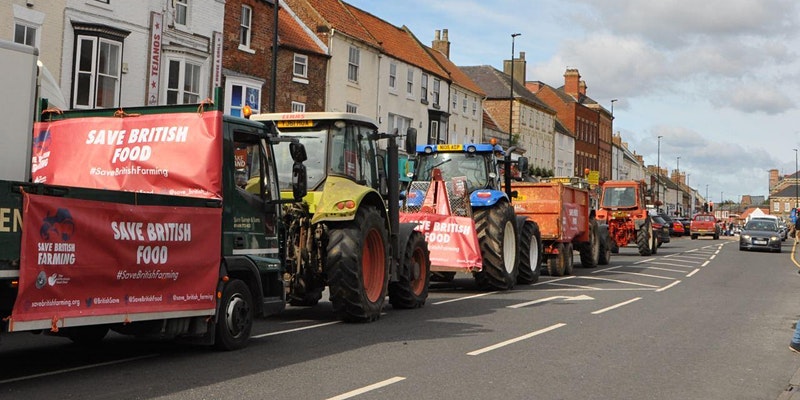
434	133
298	107
393	76
300	65
402	124
24	34
244	27
455	101
410	82
776	206
241	92
424	89
97	70
183	82
181	11
474	108
352	66
786	207
352	108
464	105
436	84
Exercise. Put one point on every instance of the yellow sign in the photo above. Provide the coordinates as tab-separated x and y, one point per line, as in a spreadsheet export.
561	179
296	123
594	177
450	147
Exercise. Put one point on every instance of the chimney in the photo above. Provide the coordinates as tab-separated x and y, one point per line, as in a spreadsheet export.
441	43
773	179
582	88
572	81
519	68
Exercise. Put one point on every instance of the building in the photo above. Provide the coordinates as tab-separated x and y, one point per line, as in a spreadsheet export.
784	194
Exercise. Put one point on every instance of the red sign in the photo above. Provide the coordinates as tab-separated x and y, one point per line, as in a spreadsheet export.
451	241
84	259
178	154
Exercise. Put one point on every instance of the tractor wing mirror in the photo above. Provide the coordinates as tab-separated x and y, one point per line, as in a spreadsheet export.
298	152
522	165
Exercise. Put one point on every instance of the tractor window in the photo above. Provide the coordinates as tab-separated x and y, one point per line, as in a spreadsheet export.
619	197
453	165
315	143
353	154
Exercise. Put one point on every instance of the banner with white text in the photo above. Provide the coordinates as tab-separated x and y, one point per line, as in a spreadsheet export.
84	258
177	154
451	241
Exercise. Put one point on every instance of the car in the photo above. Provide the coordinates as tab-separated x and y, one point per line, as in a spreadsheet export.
660	229
678	229
760	234
669	222
782	228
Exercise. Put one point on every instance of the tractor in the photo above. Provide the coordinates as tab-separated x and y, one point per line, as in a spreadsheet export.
622	208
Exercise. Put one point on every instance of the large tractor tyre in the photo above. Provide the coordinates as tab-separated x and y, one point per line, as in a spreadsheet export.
590	251
555	263
530	252
442	276
358	266
235	320
497	237
605	245
644	238
567	258
614	246
655	243
411	288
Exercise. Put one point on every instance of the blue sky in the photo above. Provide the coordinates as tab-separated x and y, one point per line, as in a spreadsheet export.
717	79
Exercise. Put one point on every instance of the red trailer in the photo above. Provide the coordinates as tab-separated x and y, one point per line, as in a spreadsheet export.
562	209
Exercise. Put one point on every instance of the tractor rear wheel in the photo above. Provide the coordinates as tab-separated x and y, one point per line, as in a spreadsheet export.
530	252
643	238
358	266
567	258
411	289
497	237
590	251
605	245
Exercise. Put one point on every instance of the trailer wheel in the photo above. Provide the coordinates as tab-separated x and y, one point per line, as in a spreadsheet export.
358	266
497	237
87	335
555	263
530	252
643	238
590	251
567	258
411	289
235	320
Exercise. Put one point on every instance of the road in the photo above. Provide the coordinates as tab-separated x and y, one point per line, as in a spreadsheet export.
699	320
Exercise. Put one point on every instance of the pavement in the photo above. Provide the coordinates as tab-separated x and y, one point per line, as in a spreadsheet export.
792	391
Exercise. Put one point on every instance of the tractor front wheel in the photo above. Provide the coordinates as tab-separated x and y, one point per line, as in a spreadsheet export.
497	237
643	238
590	251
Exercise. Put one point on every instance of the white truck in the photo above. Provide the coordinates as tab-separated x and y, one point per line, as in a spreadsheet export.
18	63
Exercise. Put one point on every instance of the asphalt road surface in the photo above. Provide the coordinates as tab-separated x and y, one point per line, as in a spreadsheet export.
699	320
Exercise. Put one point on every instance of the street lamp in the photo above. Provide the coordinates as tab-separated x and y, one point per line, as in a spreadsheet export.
511	96
795	182
658	168
678	187
612	107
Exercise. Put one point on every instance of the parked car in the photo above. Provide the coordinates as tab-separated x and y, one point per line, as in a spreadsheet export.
668	220
760	234
678	229
660	229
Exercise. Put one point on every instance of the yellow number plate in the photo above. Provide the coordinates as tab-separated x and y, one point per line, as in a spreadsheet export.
450	147
303	123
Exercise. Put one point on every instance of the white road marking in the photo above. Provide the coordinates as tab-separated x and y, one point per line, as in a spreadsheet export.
516	339
620	281
705	263
644	261
692	273
668	286
616	306
553	280
665	269
712	257
464	298
645	275
673	265
295	329
366	389
575	286
606	269
63	371
546	299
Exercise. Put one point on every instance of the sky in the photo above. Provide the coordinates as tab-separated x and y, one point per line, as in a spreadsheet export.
716	79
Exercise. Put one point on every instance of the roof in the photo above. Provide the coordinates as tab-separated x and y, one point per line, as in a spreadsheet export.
788	191
291	34
489	122
560	128
456	74
496	85
336	15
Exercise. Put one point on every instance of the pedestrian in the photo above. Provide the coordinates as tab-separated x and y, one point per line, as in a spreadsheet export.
797	229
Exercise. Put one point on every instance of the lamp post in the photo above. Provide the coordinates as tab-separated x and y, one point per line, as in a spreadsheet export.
658	170
511	96
795	181
678	187
612	107
706	194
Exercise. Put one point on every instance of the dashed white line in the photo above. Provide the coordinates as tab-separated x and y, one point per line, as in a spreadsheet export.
645	275
692	273
295	329
63	371
366	389
616	306
514	340
621	281
705	263
464	298
668	286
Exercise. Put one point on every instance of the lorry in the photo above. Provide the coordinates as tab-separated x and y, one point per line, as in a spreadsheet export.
561	207
346	234
456	199
623	209
19	77
704	224
132	221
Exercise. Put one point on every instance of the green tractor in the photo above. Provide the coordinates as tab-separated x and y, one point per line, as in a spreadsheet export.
346	234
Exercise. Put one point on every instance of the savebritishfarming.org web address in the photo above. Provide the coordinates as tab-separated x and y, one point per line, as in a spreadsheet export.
137	170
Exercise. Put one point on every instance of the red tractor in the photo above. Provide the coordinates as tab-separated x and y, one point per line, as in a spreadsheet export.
622	207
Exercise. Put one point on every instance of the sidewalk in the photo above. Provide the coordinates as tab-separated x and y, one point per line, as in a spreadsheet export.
792	392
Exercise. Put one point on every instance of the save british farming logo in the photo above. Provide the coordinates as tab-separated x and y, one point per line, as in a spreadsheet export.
55	249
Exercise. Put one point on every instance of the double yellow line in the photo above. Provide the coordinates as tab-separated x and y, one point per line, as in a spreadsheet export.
794	247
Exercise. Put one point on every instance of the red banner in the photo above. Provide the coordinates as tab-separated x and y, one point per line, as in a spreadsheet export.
84	258
178	154
451	241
